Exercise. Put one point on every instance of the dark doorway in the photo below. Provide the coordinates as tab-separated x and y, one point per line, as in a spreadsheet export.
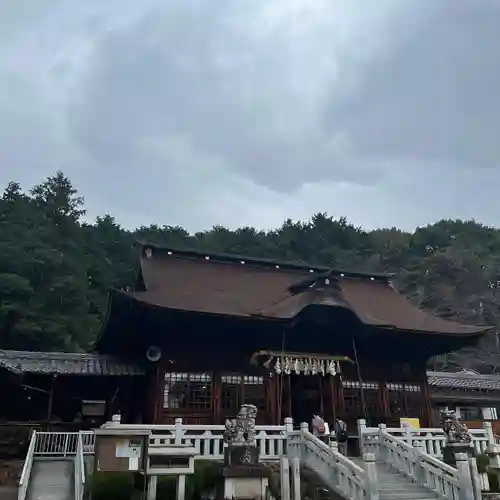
307	398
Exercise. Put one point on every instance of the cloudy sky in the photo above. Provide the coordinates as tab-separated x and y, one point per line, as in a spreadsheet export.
245	112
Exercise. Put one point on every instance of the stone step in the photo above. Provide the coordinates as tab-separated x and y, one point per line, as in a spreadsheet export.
410	495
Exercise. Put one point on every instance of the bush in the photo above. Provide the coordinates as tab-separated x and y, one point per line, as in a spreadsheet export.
482	463
111	485
200	484
119	485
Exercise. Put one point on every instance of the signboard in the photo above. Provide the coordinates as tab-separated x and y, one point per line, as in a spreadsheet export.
412	423
128	448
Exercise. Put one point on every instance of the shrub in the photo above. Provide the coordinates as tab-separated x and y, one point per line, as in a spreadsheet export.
111	485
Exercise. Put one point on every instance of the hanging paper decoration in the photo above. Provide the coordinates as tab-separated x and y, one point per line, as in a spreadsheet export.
297	366
287	366
277	367
303	365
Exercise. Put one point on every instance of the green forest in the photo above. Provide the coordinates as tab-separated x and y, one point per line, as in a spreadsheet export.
56	269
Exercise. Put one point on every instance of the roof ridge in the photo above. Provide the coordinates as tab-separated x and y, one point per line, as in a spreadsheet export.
259	261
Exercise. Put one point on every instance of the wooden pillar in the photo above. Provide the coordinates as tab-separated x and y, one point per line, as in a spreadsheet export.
427	406
384	396
271	403
51	397
217	392
339	393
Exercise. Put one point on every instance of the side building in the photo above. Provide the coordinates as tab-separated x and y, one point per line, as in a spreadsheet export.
216	331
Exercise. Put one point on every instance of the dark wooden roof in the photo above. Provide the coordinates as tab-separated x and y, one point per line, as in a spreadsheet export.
65	363
463	381
245	287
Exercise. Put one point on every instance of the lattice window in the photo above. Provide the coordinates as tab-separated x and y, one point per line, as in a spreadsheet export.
396	386
188	391
237	390
354	384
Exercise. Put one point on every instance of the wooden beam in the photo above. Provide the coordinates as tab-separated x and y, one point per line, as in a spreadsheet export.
51	397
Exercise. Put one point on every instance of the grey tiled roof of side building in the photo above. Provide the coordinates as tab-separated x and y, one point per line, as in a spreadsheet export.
63	363
464	381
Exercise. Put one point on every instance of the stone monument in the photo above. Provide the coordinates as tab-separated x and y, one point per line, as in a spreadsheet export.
244	476
458	438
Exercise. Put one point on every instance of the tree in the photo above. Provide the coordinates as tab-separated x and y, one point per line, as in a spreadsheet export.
56	271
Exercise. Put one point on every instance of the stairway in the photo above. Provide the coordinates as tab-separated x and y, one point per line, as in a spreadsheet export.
51	480
396	486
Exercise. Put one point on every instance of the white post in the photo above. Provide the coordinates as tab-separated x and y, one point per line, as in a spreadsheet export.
285	478
381	451
488	429
408	434
304	426
116	418
361	433
476	480
179	431
419	471
288	425
152	487
334	445
181	487
466	490
371	476
295	466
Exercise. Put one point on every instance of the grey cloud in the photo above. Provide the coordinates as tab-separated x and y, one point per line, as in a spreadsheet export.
436	98
247	111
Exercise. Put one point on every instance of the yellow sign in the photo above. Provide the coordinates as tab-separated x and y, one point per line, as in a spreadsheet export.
412	423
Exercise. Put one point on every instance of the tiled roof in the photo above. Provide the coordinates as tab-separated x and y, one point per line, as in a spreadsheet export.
65	363
463	381
238	286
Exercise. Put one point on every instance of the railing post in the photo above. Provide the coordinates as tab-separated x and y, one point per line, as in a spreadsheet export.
285	478
408	434
295	469
466	490
304	426
380	444
488	429
179	431
288	425
419	471
361	433
476	481
371	476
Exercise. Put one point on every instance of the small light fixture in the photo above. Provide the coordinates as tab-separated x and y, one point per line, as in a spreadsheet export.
207	257
342	275
311	270
169	252
372	278
242	261
277	267
327	281
148	253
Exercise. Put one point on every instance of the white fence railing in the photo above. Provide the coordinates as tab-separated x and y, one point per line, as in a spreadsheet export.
26	472
208	439
424	469
63	444
338	472
431	439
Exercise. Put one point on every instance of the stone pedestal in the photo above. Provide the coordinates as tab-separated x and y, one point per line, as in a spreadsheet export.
243	476
451	449
244	455
245	482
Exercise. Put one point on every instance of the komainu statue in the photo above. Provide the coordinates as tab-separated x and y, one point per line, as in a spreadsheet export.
241	430
456	431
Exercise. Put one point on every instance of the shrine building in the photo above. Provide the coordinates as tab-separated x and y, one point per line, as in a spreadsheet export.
212	332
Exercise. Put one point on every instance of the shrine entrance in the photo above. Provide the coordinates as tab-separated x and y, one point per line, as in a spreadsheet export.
306	398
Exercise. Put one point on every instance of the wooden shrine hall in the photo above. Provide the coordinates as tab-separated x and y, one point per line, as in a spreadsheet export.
217	331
